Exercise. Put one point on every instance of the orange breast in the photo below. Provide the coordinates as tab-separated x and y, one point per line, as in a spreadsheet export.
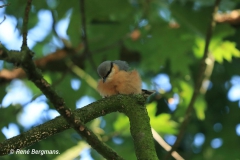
120	82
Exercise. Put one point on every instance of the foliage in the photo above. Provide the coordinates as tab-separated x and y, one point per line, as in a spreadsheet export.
154	37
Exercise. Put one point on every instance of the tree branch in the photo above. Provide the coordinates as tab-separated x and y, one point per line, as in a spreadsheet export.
86	51
24	59
5	5
198	84
59	124
35	76
84	28
140	128
166	146
52	62
131	105
232	17
4	18
25	24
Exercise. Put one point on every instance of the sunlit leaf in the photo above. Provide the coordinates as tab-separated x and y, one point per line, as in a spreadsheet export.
161	123
200	107
122	125
226	50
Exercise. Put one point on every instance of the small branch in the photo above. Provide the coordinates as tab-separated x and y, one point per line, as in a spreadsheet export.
105	48
54	84
5	5
232	17
66	43
51	62
86	51
198	84
84	28
82	74
4	18
166	146
25	24
54	24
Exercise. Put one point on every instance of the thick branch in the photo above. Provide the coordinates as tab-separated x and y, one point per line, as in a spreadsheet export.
25	61
131	105
35	76
57	125
198	84
140	128
76	123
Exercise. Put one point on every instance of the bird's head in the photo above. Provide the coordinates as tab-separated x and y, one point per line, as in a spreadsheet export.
106	68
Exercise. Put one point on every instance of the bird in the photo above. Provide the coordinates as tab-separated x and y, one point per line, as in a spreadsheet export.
117	78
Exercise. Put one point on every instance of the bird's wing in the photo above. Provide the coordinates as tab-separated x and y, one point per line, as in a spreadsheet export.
122	65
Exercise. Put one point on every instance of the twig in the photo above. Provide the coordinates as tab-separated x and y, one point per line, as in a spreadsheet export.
113	45
198	84
4	18
82	74
86	51
54	24
84	28
54	84
166	146
25	24
5	5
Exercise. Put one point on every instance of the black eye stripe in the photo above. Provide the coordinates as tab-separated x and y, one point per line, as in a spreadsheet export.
109	71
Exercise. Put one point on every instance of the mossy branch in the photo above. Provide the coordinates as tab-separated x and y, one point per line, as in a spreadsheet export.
24	59
132	106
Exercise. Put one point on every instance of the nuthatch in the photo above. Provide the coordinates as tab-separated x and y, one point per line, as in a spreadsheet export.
117	79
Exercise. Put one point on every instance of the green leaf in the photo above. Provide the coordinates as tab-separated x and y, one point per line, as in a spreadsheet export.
198	48
161	123
186	91
200	107
195	20
226	50
122	125
74	27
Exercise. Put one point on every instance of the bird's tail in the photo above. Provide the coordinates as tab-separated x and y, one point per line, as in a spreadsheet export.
148	93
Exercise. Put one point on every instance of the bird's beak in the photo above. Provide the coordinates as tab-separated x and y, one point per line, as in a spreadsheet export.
104	79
